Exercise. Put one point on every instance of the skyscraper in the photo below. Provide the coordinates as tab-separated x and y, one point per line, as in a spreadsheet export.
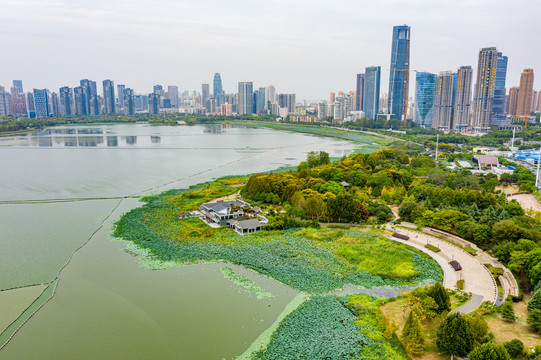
109	96
246	90
270	97
54	104
399	73
425	85
129	101
204	94
287	101
498	103
172	94
218	90
5	102
120	94
372	77
359	92
259	101
484	88
154	103
18	84
41	102
67	106
444	101
513	101
525	93
461	117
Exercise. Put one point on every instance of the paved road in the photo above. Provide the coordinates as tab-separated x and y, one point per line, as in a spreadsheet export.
472	304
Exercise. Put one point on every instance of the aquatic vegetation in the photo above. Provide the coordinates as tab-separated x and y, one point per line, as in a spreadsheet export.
244	282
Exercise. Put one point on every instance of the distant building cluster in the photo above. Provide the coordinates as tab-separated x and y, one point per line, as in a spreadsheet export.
443	101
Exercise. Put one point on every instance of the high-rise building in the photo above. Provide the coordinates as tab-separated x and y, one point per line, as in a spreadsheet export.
537	107
129	101
270	97
287	101
18	103
462	107
444	101
141	102
30	105
322	110
399	73
383	103
218	90
259	101
41	102
359	92
425	85
67	106
338	109
246	97
204	94
372	77
525	93
120	94
210	106
233	100
5	103
484	89
172	94
498	104
79	100
54	105
513	101
154	103
109	96
18	84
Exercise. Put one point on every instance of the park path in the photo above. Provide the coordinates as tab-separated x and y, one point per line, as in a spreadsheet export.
527	201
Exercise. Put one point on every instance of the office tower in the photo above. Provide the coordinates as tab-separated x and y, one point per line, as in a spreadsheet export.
399	73
67	106
210	106
55	104
287	101
109	96
95	108
79	100
141	102
259	101
484	88
157	89
512	106
525	93
30	105
443	101
128	101
372	77
41	102
270	97
498	103
425	85
246	90
172	94
359	91
218	90
204	94
322	110
120	95
461	117
18	84
154	103
5	103
332	98
89	97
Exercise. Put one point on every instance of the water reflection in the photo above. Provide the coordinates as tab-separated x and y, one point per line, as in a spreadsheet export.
112	141
155	139
90	141
131	140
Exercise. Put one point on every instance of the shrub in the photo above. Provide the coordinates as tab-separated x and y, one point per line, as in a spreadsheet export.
507	311
514	347
432	247
534	320
454	336
489	351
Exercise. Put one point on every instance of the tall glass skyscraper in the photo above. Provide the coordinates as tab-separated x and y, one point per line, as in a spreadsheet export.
246	98
109	96
399	74
218	91
425	85
372	77
498	103
41	101
359	92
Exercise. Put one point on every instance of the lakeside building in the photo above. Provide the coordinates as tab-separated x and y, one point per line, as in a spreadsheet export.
221	212
399	72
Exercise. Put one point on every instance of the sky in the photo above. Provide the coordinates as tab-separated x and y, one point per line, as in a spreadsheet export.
307	47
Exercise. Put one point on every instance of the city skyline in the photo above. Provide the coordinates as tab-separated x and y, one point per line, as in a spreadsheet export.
282	55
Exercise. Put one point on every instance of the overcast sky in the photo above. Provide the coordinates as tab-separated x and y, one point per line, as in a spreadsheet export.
307	47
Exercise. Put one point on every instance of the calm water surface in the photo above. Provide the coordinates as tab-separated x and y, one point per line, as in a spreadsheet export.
106	306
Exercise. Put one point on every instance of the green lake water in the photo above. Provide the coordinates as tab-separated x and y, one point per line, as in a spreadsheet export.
106	306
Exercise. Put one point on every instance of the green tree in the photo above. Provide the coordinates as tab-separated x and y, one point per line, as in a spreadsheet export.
479	329
489	351
514	347
412	336
441	297
406	210
534	320
454	336
535	301
324	158
508	312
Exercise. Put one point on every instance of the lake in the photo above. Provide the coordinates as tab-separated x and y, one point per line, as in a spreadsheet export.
62	189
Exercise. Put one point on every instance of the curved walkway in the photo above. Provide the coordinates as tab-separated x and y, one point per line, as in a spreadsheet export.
477	279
